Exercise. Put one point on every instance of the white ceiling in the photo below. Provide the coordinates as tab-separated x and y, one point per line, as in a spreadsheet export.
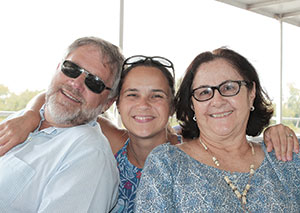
285	10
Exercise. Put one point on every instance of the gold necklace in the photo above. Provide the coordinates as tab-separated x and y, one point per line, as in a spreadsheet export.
240	196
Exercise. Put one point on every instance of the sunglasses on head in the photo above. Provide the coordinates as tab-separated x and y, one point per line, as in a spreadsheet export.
94	83
140	59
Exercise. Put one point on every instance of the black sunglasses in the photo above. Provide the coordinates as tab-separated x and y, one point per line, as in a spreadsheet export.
139	59
94	83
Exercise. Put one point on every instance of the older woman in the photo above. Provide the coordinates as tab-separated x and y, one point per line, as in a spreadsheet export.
219	102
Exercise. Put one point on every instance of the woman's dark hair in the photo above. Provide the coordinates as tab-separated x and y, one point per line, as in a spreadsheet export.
149	63
258	119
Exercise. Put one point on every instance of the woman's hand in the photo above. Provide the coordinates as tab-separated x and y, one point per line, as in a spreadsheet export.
283	140
16	130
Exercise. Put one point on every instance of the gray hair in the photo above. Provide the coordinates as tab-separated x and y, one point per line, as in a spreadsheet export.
112	57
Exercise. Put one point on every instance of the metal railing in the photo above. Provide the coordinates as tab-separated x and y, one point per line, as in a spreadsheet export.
289	119
7	113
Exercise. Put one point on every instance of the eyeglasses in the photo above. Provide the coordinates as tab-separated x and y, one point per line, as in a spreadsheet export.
139	59
226	89
94	83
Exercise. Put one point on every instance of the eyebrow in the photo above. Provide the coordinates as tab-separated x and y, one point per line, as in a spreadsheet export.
204	86
216	85
153	90
131	90
159	90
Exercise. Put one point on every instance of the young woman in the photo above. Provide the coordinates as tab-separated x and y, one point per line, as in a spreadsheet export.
145	102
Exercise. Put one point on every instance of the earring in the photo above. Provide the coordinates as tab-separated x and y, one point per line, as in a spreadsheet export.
252	108
194	118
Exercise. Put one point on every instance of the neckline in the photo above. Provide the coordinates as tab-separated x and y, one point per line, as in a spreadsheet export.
125	151
217	169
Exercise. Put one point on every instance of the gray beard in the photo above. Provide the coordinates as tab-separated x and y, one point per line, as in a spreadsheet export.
67	114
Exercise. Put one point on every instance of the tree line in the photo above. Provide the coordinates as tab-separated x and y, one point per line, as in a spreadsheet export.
10	101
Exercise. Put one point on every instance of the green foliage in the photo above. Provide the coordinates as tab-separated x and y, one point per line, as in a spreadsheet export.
10	101
3	91
292	105
291	109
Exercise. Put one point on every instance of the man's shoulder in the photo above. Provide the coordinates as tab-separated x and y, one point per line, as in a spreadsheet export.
89	134
92	128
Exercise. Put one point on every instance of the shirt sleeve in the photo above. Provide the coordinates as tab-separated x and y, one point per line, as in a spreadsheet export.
87	181
154	193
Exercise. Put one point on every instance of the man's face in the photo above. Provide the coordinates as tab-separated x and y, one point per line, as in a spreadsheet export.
69	101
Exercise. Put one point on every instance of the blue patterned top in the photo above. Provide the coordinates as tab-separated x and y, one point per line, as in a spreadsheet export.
129	180
175	182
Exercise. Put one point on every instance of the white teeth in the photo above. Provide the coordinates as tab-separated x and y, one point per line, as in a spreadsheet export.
71	97
142	118
221	115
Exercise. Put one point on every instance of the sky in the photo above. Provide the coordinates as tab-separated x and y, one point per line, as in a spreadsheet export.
35	34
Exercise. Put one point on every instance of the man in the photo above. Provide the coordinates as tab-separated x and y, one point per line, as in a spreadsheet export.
66	164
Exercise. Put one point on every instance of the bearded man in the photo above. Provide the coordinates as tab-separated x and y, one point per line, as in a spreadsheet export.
66	164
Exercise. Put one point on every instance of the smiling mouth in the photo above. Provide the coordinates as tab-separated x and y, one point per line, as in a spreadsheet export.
143	118
70	96
221	115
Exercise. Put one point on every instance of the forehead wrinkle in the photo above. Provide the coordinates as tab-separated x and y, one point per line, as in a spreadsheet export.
205	86
208	67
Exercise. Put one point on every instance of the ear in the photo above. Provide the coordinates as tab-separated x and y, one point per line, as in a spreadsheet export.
252	94
172	110
192	106
108	104
117	106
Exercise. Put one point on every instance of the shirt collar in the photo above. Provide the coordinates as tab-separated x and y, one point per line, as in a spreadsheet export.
52	129
49	130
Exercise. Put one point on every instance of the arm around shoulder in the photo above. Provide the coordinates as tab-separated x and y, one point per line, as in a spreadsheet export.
16	130
116	136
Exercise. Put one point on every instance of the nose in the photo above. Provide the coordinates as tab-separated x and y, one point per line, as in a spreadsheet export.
78	83
218	99
143	103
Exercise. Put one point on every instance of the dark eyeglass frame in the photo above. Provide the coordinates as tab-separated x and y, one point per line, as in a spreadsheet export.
93	82
240	83
140	59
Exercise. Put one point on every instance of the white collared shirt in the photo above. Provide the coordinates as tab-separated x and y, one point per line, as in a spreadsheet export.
60	170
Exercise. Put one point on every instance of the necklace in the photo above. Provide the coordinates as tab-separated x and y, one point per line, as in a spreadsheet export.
129	148
241	196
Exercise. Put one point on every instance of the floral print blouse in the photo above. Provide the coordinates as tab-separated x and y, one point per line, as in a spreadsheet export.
172	181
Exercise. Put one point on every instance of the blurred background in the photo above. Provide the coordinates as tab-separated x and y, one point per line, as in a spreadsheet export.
35	33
